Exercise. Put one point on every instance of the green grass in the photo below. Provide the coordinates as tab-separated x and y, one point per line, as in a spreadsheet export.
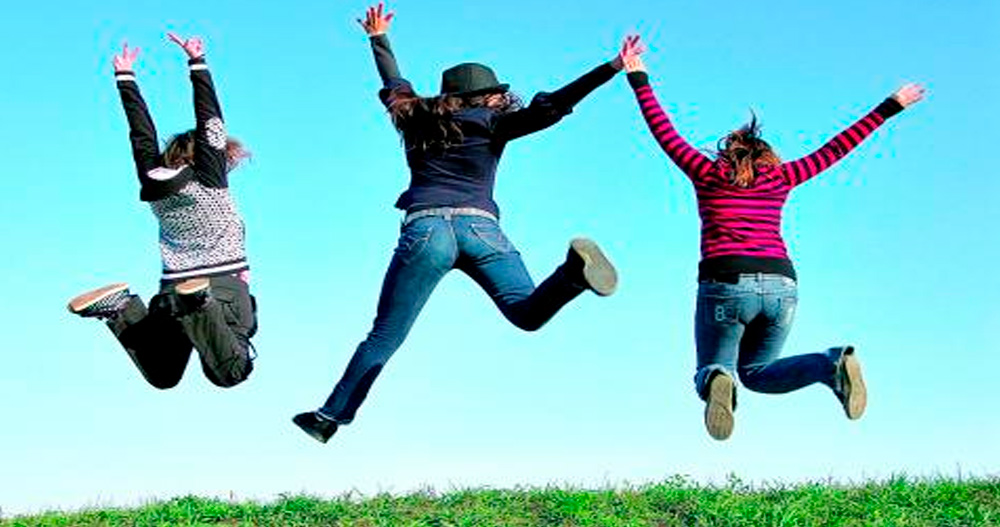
897	502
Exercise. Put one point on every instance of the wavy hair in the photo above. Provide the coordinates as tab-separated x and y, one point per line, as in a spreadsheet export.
745	151
179	151
429	124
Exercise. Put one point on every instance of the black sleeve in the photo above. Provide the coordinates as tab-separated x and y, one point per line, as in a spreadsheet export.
385	60
889	107
210	131
142	132
548	108
393	84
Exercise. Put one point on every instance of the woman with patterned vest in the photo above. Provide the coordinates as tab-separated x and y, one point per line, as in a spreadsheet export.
747	290
453	143
204	300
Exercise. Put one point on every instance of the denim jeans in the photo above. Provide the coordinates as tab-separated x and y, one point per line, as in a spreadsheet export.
428	248
742	327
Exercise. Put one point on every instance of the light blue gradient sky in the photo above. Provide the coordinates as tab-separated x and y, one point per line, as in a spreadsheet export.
895	247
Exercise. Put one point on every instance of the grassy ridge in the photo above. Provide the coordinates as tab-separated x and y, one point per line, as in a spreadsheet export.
897	502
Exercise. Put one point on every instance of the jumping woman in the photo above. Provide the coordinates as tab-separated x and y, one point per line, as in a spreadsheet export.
204	300
747	288
453	143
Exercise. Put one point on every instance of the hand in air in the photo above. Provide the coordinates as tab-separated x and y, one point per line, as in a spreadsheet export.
909	94
630	57
193	46
124	61
376	21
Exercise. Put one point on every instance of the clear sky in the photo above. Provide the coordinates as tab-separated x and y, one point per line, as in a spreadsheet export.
895	249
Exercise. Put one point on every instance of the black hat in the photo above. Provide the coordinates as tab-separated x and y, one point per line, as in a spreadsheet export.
470	78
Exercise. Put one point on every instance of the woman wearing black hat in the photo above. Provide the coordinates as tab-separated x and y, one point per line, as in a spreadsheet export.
453	144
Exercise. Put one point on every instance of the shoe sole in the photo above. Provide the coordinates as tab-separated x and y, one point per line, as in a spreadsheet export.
855	392
192	286
597	269
719	407
82	302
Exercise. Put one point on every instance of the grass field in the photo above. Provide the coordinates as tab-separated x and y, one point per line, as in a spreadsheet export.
679	501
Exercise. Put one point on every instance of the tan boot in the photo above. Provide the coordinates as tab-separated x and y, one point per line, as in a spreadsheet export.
719	406
598	275
850	385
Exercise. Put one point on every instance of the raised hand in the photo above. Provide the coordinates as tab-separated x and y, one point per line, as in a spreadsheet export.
376	22
124	61
629	57
193	46
909	94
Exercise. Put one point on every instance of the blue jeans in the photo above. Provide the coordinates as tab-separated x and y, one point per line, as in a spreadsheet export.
741	327
428	248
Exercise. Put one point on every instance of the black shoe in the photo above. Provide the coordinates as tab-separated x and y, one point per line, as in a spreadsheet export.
319	428
589	267
104	302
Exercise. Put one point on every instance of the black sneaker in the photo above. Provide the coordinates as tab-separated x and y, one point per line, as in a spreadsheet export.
719	406
318	427
849	385
104	302
588	264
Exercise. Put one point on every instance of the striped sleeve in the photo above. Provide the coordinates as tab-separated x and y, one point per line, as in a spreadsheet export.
694	164
805	168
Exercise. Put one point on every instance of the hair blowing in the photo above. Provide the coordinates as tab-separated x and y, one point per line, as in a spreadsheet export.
429	123
744	150
180	151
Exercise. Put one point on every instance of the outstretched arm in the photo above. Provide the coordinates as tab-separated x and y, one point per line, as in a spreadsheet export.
376	25
210	131
548	108
805	168
142	132
693	163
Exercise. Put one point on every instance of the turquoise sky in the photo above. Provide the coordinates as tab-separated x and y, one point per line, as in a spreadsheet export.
895	248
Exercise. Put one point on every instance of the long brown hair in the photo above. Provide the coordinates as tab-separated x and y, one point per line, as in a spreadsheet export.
744	151
180	151
429	123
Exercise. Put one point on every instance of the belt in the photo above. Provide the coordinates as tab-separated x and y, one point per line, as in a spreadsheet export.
448	212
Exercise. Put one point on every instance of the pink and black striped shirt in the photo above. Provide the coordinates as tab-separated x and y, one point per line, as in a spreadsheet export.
741	227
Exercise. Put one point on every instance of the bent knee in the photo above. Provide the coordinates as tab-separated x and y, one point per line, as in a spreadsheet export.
232	378
528	325
164	384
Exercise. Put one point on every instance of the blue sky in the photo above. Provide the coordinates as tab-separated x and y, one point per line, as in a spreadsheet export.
894	248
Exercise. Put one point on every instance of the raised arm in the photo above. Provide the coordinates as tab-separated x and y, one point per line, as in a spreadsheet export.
693	163
376	25
805	168
548	108
142	132
210	131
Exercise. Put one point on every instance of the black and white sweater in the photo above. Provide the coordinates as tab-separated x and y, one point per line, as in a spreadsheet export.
201	231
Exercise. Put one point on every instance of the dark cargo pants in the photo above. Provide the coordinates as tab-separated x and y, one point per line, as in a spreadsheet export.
159	339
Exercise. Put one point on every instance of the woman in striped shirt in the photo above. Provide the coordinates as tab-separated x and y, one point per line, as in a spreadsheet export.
746	282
